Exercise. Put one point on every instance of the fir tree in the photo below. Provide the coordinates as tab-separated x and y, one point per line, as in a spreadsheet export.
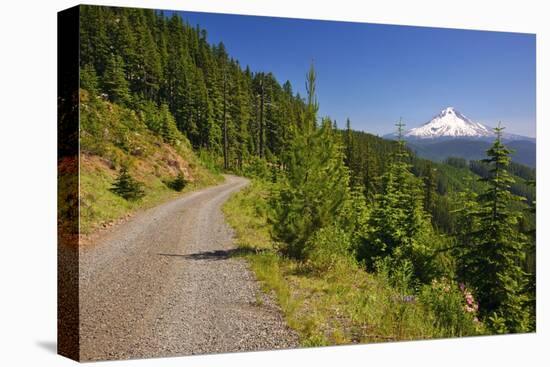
88	79
430	184
315	188
398	223
467	225
495	260
179	182
167	128
531	264
127	187
114	81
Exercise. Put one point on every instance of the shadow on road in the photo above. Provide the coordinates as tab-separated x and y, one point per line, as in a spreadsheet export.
212	255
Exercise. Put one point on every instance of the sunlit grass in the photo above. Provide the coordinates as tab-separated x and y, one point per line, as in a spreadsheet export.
340	306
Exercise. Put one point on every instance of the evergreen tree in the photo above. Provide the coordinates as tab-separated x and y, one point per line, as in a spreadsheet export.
147	66
467	225
123	41
495	260
531	264
429	178
114	82
88	79
351	160
179	182
398	224
315	188
168	129
225	122
94	42
127	187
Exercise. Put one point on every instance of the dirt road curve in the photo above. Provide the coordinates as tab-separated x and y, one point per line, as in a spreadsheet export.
164	284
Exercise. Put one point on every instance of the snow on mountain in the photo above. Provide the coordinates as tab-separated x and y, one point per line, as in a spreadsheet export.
449	123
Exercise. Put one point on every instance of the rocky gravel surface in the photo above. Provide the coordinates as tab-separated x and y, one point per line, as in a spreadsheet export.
164	284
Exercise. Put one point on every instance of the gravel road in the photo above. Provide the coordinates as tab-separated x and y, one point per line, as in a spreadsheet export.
164	284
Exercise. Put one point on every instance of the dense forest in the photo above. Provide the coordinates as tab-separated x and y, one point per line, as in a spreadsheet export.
334	192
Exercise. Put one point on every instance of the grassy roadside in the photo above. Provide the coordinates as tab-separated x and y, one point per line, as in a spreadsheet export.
342	305
102	207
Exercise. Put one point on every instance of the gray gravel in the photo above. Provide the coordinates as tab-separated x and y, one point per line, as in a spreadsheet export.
164	284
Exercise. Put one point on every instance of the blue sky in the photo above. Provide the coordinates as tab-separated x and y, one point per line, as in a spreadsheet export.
374	74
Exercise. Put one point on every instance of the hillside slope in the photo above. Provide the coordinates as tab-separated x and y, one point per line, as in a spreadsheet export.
113	137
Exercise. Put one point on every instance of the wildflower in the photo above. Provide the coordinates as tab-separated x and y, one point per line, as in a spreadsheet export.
408	299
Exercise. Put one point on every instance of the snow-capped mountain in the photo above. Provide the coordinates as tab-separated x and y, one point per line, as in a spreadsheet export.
450	133
449	123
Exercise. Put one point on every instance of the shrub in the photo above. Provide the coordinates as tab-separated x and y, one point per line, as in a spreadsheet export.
127	187
210	160
399	274
178	183
328	247
257	168
453	307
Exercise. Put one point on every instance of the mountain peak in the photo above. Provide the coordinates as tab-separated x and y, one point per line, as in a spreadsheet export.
449	123
448	111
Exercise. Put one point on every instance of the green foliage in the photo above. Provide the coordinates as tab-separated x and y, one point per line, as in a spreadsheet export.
366	156
520	173
456	162
454	309
327	248
88	79
127	187
210	160
430	185
398	225
258	168
399	273
315	188
178	183
329	299
167	128
494	250
161	121
114	81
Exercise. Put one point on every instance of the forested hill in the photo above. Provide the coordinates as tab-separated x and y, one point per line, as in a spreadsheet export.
145	61
137	56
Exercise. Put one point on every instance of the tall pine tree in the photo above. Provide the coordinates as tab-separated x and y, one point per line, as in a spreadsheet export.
495	261
315	188
398	224
114	81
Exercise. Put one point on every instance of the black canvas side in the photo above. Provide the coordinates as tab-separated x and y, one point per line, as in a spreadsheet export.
68	182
